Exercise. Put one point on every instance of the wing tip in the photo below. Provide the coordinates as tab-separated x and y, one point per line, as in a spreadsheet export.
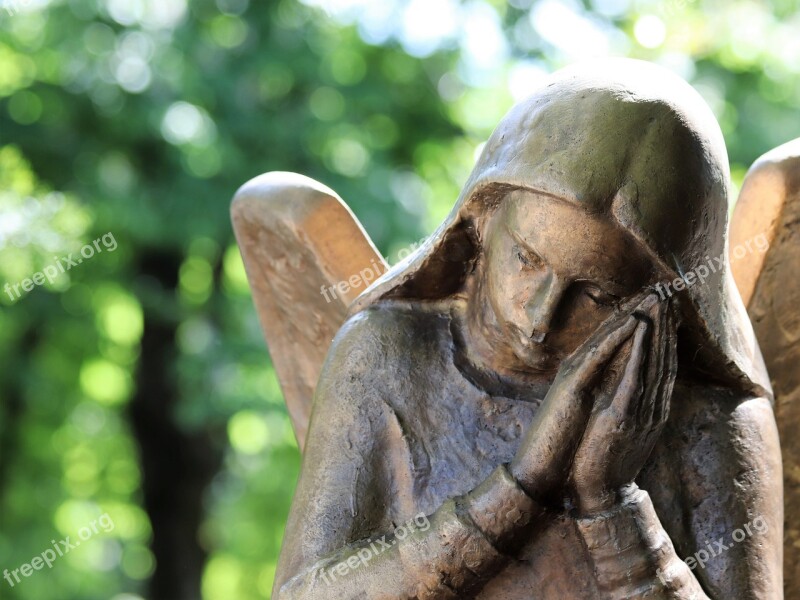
785	156
768	188
280	188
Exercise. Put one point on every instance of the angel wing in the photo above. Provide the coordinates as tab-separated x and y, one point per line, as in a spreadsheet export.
769	282
307	257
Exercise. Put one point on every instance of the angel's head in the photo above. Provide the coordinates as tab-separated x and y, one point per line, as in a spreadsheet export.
601	184
611	177
549	273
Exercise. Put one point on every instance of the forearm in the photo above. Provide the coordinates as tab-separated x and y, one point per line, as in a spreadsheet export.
633	556
465	545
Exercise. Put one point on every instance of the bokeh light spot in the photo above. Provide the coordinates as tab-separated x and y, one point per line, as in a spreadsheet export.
105	382
650	31
248	432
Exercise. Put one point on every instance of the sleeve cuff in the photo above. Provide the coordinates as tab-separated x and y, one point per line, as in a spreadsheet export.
451	559
468	539
501	509
633	555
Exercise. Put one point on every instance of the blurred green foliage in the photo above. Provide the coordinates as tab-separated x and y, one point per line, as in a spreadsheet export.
142	117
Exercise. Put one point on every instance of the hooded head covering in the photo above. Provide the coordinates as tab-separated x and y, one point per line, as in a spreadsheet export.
630	140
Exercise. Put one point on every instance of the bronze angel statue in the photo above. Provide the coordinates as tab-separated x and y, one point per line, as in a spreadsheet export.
560	393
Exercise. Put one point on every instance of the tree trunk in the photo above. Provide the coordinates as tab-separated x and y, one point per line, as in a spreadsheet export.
177	464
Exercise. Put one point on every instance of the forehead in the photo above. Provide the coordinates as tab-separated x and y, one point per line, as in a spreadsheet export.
573	242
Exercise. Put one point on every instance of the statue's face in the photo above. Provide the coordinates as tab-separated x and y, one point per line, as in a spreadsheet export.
552	274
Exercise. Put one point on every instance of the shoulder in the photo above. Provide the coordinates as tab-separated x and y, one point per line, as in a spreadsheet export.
388	336
393	319
378	355
379	359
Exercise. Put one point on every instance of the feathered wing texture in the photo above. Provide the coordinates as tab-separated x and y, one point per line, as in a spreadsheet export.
769	281
307	257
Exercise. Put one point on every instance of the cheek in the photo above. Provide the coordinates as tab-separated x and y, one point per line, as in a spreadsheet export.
510	290
577	322
499	291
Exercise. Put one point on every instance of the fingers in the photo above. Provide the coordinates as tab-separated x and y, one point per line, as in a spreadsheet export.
654	369
640	303
561	420
589	360
591	363
663	391
630	385
620	436
644	300
661	412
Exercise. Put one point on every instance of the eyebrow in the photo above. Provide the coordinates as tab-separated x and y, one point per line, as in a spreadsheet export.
519	240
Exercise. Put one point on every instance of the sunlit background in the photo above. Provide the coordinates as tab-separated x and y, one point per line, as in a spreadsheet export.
137	384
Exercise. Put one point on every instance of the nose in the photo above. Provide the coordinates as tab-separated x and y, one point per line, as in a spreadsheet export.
541	308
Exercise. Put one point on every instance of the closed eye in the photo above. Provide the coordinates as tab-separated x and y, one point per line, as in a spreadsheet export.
600	297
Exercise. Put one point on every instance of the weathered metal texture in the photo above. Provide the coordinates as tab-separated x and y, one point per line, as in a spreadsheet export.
769	205
524	408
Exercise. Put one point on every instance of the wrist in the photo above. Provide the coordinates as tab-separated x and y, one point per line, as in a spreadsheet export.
501	508
521	476
536	485
599	501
